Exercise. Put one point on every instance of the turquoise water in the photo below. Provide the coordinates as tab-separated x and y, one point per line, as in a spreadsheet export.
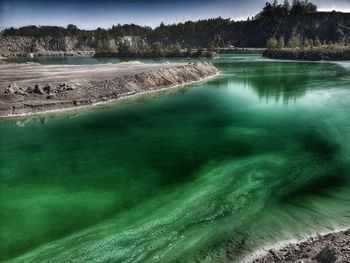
207	172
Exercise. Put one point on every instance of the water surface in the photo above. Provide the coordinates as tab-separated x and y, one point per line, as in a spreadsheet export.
206	172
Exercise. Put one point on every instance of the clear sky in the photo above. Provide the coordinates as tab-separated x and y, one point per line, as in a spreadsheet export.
91	14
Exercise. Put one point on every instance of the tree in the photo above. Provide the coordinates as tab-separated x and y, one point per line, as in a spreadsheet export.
311	8
212	45
72	27
72	30
281	43
286	5
306	43
271	43
157	49
125	48
285	8
317	42
311	42
302	7
295	41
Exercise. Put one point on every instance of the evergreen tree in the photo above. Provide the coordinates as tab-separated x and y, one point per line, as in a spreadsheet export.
271	43
311	42
286	5
306	43
281	43
317	42
285	8
295	41
212	45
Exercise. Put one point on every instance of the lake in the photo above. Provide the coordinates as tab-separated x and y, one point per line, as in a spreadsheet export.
206	172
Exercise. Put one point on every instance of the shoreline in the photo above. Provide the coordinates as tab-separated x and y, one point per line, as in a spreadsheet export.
73	87
194	53
321	54
112	101
324	245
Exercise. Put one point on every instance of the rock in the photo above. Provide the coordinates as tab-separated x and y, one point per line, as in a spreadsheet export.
48	88
30	90
70	88
65	86
326	255
51	96
20	91
14	89
38	89
304	256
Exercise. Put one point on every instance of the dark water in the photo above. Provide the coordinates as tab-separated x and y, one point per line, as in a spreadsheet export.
206	172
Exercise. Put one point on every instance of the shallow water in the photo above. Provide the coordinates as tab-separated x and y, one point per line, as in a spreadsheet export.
206	172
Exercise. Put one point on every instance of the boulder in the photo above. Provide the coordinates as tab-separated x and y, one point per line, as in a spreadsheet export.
30	89
48	88
11	88
51	96
38	89
20	91
326	255
14	89
70	87
65	86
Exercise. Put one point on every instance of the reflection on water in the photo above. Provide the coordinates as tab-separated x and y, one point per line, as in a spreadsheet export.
43	118
281	81
202	173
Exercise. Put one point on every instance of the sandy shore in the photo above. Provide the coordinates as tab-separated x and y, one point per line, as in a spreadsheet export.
327	248
33	88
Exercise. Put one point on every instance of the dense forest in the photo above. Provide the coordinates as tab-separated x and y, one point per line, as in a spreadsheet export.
275	20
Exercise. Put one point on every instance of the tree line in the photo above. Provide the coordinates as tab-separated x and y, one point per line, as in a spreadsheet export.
297	7
207	33
72	30
296	41
179	30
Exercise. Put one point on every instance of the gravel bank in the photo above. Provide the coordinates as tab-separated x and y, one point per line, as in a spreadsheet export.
329	248
33	88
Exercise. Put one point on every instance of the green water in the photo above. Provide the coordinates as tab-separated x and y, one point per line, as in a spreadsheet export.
204	173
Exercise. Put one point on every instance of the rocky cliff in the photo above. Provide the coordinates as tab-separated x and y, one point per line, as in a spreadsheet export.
22	46
12	46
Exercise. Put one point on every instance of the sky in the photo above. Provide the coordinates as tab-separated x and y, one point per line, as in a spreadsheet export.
90	14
